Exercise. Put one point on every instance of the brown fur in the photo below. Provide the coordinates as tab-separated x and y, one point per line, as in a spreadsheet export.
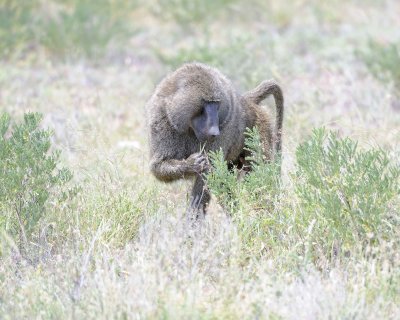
174	150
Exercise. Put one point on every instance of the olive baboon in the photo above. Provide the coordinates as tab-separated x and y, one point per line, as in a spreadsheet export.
196	109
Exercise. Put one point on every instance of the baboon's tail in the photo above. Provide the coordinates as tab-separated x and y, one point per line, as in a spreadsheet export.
262	91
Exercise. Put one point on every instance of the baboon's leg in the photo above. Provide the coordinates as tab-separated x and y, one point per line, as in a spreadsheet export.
200	196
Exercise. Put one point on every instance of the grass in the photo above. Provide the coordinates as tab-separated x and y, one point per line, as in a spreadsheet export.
124	247
383	59
66	29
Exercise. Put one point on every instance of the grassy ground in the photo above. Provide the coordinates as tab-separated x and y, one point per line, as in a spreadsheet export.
124	248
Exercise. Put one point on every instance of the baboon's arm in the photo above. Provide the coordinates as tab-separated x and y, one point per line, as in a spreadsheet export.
169	170
172	169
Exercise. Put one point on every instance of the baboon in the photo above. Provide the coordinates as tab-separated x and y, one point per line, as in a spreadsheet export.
195	110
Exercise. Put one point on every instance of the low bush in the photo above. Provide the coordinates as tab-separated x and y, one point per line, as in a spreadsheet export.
31	178
346	192
253	201
383	61
339	197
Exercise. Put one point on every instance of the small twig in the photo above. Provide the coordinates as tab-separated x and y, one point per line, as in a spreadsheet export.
202	147
18	209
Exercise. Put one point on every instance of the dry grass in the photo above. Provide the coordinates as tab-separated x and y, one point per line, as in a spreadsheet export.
125	249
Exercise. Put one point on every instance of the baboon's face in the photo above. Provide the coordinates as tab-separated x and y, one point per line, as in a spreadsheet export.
205	124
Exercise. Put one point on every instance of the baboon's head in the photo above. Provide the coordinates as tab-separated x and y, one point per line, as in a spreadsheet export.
198	102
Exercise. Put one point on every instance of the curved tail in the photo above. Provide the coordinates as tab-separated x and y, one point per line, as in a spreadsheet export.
262	91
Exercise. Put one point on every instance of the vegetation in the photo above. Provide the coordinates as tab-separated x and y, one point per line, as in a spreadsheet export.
29	178
348	191
65	29
343	198
319	241
383	60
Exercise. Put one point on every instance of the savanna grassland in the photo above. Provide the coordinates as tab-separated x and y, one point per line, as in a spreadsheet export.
87	233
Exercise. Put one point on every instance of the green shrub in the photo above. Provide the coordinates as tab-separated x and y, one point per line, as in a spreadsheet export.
31	179
344	192
222	182
340	198
263	182
256	188
253	200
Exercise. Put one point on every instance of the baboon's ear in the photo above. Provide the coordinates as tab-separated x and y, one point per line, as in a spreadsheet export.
180	109
178	119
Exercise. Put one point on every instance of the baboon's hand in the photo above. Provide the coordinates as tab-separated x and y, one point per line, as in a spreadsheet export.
197	163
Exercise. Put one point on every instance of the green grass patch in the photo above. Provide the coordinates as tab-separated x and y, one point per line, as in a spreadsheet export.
383	60
68	29
188	13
